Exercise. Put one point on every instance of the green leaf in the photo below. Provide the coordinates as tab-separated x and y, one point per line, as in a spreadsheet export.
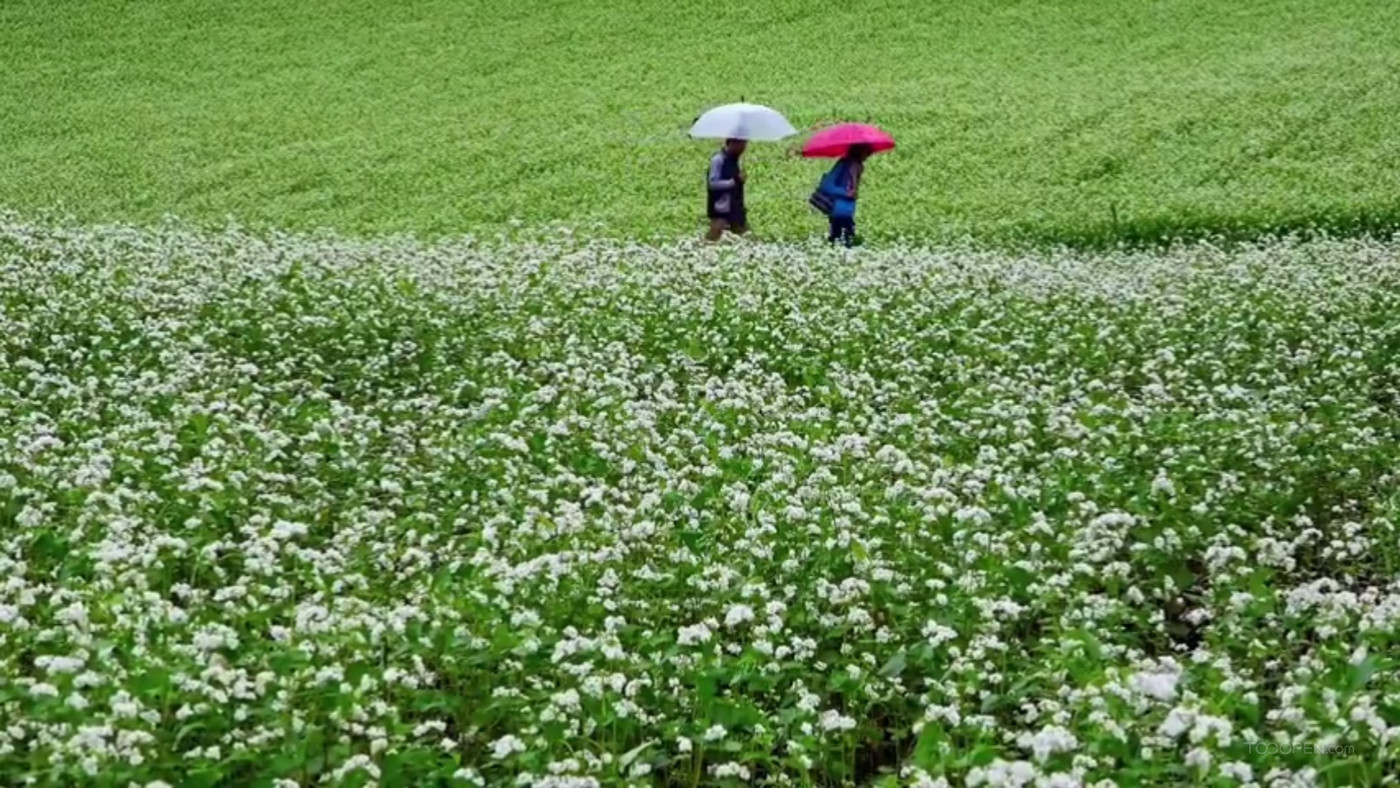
895	665
927	750
1019	689
1362	673
858	550
705	689
631	755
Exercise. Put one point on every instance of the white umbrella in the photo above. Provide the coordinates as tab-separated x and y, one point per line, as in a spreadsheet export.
742	122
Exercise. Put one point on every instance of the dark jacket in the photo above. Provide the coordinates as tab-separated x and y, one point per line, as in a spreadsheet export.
725	191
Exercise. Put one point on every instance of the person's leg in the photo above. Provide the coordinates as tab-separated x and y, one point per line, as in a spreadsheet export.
739	223
717	228
834	231
851	231
841	230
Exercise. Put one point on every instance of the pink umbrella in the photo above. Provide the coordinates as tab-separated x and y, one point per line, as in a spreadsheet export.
834	142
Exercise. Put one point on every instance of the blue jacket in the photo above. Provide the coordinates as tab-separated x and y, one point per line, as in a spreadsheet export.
840	183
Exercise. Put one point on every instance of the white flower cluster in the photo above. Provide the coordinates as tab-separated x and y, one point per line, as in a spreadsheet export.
300	510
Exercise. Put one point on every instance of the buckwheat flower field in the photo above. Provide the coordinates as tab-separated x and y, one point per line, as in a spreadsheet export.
298	510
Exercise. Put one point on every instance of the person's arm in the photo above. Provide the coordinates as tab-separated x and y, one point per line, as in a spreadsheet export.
717	180
857	170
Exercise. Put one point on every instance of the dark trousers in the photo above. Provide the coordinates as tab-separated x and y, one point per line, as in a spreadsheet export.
843	230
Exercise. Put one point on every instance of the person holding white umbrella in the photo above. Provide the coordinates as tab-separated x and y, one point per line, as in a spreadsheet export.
724	203
736	124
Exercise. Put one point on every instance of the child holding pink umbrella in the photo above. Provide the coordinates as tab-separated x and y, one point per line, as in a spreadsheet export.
851	144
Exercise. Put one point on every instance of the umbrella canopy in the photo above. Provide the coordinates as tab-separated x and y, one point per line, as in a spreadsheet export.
834	142
743	122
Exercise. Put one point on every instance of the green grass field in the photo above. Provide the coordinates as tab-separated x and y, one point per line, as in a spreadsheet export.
1076	121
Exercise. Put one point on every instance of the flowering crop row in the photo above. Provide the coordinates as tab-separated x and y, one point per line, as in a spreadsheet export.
293	510
1085	123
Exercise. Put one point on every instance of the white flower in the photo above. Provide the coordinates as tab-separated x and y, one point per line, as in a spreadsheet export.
1178	721
30	517
506	745
1002	774
835	721
53	664
738	614
731	770
285	530
1161	686
691	635
1239	770
1048	741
